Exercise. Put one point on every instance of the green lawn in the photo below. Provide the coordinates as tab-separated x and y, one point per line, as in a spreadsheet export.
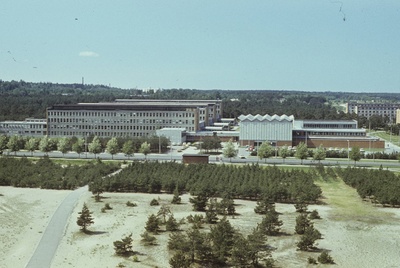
347	205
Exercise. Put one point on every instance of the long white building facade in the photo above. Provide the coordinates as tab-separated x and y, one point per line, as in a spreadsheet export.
130	118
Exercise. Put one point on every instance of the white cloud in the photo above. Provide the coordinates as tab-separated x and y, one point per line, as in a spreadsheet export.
88	54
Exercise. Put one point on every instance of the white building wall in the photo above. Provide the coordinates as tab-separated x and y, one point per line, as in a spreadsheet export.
260	128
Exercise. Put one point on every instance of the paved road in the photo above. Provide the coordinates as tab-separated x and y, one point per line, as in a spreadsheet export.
54	232
174	156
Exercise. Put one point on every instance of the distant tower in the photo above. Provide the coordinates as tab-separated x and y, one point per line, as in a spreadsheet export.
83	80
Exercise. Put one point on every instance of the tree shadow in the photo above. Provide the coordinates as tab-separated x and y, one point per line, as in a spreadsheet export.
88	232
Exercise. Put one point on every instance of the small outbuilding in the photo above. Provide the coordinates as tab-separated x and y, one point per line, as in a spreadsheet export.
195	158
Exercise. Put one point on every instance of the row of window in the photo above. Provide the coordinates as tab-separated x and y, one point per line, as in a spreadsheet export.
120	114
120	121
341	126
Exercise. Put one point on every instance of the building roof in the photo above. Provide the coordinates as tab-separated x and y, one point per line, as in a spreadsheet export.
137	104
266	117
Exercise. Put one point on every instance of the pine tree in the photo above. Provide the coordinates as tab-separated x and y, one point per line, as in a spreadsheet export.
85	218
199	202
179	260
171	225
152	224
221	236
302	223
308	238
176	199
271	224
124	247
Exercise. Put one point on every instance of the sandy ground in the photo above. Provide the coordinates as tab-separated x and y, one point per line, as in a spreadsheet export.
24	215
353	241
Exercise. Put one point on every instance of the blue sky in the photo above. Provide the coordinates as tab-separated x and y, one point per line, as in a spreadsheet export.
310	45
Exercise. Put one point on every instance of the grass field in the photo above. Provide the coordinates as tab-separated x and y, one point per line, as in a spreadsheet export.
347	204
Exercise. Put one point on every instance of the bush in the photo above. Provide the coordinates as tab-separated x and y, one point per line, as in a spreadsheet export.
135	258
130	204
124	246
103	210
154	202
107	206
311	260
148	239
314	215
325	258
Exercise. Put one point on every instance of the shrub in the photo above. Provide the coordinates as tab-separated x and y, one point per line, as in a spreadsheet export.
124	246
130	204
148	239
135	258
103	210
314	215
107	206
301	207
154	202
325	258
311	260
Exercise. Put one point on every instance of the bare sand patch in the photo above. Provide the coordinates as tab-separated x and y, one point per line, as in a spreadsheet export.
24	215
356	233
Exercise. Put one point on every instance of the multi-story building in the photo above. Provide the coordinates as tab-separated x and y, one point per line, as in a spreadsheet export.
373	108
131	118
30	127
285	130
333	133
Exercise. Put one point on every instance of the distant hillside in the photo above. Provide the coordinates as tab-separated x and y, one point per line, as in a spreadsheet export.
19	100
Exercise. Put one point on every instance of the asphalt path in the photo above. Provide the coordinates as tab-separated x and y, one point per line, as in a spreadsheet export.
54	232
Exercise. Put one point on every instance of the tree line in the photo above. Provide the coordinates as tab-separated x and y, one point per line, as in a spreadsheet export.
44	173
378	185
246	182
92	144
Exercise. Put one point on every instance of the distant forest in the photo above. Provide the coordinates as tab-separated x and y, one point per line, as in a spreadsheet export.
20	100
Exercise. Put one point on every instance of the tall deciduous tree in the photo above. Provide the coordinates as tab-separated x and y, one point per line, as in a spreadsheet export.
319	154
63	145
145	149
128	148
301	152
229	150
112	147
32	144
13	144
265	151
95	146
79	146
355	154
284	152
44	145
3	143
85	218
